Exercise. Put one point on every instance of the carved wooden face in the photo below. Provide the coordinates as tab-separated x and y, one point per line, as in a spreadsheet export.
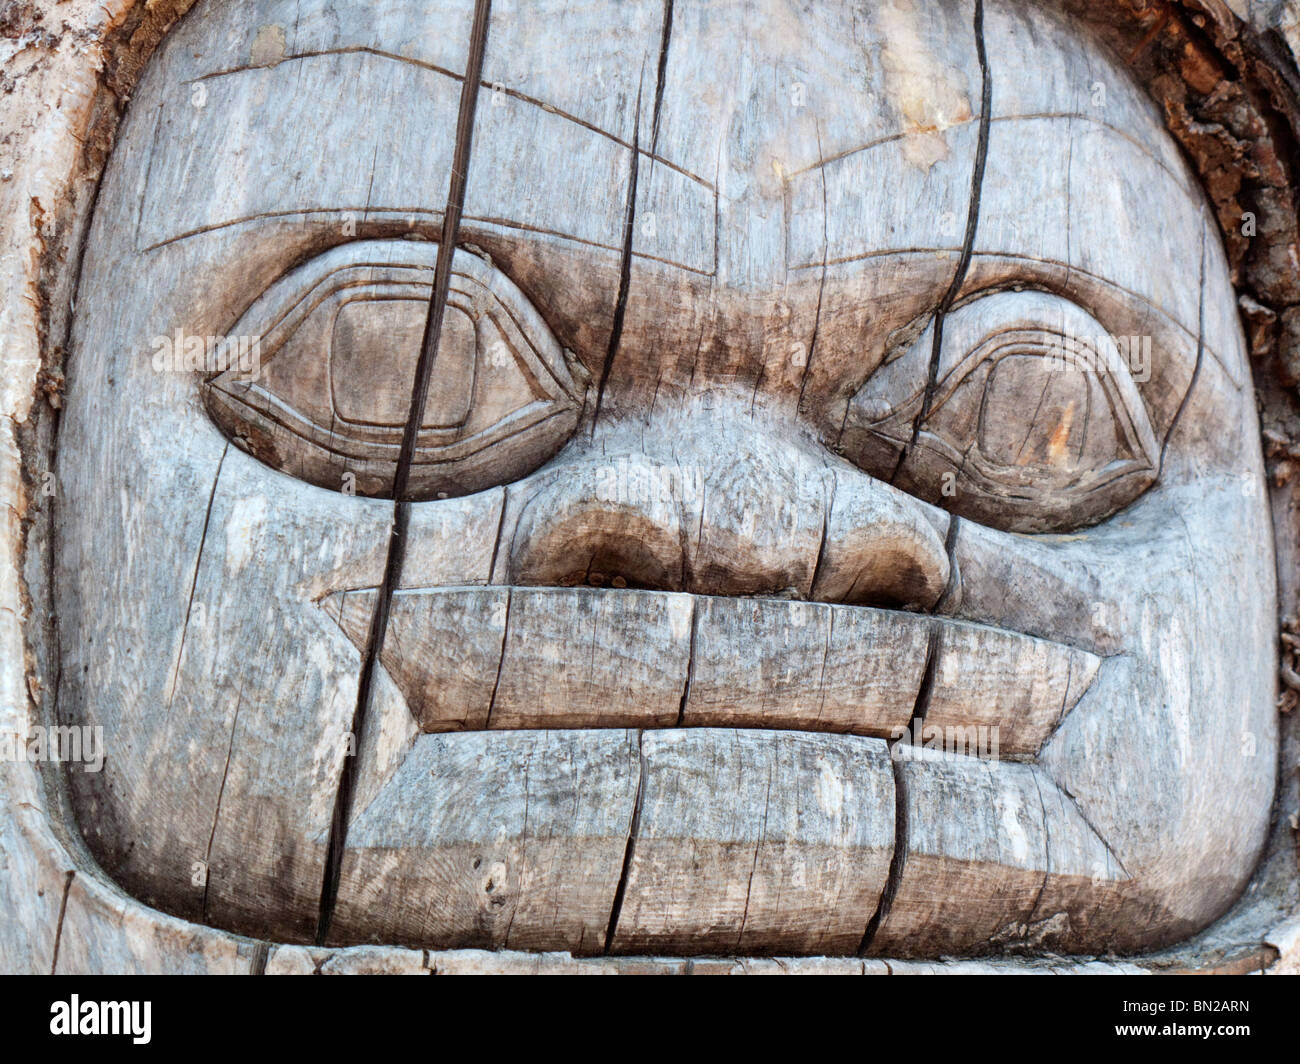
733	466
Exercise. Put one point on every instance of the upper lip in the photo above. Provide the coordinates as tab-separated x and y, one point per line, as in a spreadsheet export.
495	656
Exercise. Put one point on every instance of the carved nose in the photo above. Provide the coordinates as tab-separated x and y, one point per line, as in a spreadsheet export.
881	547
744	514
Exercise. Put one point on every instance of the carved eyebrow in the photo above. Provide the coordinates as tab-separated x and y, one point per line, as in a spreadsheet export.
515	94
1132	296
875	142
431	216
889	138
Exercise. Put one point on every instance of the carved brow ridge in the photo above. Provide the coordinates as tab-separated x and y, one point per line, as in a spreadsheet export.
1033	116
434	216
523	97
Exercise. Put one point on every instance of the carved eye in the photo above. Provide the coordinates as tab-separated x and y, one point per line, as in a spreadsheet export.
339	339
1035	423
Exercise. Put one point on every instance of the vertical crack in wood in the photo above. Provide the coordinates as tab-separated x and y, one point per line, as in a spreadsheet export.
661	76
968	241
830	489
826	654
924	692
898	858
1196	369
953	583
194	581
365	683
261	952
496	543
625	265
821	284
501	661
523	844
446	250
629	207
616	910
690	661
216	812
753	867
1047	856
144	191
1065	694
687	578
63	910
405	459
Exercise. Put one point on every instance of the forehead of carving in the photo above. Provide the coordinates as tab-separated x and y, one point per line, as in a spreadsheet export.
778	128
892	68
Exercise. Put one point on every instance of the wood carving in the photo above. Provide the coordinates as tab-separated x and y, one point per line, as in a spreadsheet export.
562	477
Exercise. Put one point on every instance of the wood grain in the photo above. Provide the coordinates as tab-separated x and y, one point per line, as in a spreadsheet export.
756	841
765	262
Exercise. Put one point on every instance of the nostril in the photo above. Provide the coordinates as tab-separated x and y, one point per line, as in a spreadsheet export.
578	553
880	549
572	532
596	577
888	577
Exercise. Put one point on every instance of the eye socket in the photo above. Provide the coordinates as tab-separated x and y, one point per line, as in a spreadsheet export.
339	339
1035	423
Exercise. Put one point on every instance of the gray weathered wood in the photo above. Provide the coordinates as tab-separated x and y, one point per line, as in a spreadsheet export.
749	333
756	841
491	840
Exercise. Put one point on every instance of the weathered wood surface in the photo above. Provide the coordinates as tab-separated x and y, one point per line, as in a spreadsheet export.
691	476
227	638
503	399
493	842
490	657
992	852
756	841
380	960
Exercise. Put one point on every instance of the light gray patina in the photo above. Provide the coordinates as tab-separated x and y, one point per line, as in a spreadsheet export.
778	400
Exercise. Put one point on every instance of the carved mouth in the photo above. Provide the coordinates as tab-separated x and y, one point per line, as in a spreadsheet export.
497	657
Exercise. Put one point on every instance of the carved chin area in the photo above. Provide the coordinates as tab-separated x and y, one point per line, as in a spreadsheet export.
739	477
